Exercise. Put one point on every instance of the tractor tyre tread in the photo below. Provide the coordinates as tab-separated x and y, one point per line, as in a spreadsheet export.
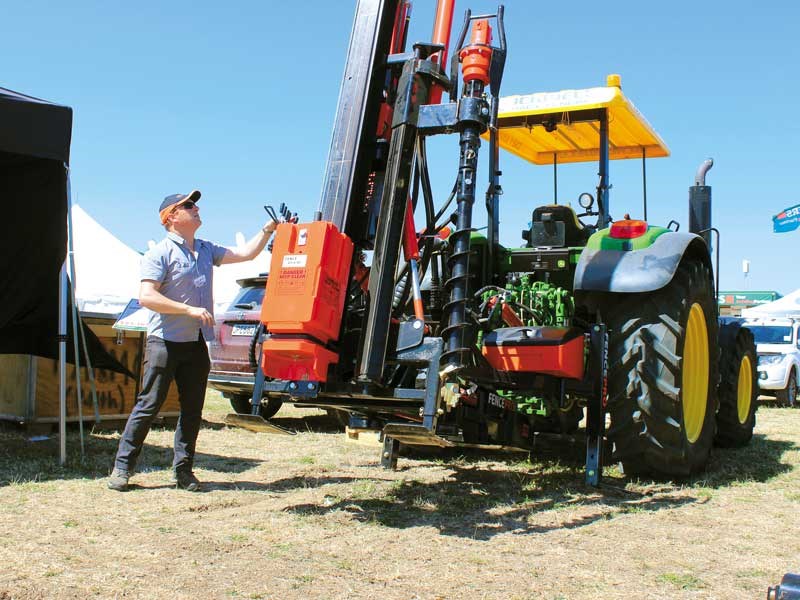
731	433
646	336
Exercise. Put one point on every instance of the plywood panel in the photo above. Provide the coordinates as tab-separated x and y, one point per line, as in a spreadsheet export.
29	385
116	393
14	384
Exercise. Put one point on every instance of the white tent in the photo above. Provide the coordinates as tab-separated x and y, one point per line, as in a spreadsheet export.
788	306
106	269
225	277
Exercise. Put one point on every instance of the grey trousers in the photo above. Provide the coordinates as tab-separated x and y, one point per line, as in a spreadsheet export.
188	364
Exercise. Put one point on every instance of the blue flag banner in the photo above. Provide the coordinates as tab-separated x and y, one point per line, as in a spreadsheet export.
786	220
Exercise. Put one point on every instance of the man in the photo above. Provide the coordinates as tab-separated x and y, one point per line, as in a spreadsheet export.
176	286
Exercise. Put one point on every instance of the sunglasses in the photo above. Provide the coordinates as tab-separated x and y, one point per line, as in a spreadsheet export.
188	205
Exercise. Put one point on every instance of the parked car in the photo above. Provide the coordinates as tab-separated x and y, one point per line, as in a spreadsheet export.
233	347
778	350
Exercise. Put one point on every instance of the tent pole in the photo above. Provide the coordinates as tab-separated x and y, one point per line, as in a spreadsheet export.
62	364
76	324
92	384
89	369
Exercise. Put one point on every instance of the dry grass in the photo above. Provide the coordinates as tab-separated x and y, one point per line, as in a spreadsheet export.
313	516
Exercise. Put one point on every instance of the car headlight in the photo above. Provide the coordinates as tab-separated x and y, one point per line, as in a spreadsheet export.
770	359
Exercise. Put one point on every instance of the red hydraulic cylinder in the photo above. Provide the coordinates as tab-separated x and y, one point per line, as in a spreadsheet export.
401	19
441	35
410	244
411	252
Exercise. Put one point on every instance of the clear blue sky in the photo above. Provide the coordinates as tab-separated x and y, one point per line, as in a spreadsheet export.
237	99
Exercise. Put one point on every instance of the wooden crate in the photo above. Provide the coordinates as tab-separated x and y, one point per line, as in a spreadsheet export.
29	384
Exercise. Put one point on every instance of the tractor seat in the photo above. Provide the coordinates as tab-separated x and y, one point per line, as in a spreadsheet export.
556	225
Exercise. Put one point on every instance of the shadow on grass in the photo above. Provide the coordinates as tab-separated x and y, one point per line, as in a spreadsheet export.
479	503
759	461
319	423
480	500
22	460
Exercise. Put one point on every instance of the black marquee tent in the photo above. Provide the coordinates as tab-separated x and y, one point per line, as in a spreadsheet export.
35	140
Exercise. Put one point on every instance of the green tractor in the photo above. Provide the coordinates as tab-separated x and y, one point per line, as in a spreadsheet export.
679	379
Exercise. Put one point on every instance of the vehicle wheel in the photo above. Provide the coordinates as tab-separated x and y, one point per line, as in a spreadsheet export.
788	396
241	404
738	388
662	358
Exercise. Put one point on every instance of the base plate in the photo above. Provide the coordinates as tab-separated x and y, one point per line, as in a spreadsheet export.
413	434
256	423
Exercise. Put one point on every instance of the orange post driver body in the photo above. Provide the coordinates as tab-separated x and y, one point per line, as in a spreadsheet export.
476	58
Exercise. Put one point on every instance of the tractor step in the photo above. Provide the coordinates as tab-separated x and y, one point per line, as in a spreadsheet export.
411	433
256	423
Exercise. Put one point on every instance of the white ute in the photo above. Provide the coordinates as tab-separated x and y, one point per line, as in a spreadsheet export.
778	356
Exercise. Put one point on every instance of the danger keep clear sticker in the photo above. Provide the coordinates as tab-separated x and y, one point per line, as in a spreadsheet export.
292	276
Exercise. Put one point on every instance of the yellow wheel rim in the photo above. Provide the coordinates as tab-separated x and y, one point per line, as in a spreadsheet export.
694	384
744	390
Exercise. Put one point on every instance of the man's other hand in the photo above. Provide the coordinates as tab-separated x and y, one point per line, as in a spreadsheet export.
202	315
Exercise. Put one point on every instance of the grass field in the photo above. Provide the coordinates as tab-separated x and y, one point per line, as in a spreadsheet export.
314	516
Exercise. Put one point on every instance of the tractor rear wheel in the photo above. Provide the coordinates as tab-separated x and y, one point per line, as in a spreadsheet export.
738	388
662	374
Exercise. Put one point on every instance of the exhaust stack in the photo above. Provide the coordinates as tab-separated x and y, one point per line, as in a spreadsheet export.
700	203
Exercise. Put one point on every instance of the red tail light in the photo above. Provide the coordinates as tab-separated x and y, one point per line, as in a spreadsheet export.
628	229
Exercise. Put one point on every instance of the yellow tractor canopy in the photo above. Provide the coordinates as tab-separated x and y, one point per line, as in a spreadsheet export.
564	126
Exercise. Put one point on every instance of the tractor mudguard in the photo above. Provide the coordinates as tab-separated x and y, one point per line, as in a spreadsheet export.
603	269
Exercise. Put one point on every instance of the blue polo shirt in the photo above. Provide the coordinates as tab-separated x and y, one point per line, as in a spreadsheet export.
184	278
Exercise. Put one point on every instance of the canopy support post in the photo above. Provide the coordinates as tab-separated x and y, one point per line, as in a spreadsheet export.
555	177
603	185
644	180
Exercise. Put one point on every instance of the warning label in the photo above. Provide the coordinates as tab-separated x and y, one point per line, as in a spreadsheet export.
294	261
291	281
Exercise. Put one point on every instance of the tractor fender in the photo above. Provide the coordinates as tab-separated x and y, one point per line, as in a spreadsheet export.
643	270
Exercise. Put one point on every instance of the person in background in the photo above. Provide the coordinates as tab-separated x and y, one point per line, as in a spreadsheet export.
176	278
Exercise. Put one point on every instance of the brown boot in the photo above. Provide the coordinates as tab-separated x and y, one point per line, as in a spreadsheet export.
185	480
118	480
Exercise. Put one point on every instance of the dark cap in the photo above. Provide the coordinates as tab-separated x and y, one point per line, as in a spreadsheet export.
173	199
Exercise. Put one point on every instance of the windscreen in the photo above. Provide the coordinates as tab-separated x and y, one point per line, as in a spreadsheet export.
766	334
252	295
